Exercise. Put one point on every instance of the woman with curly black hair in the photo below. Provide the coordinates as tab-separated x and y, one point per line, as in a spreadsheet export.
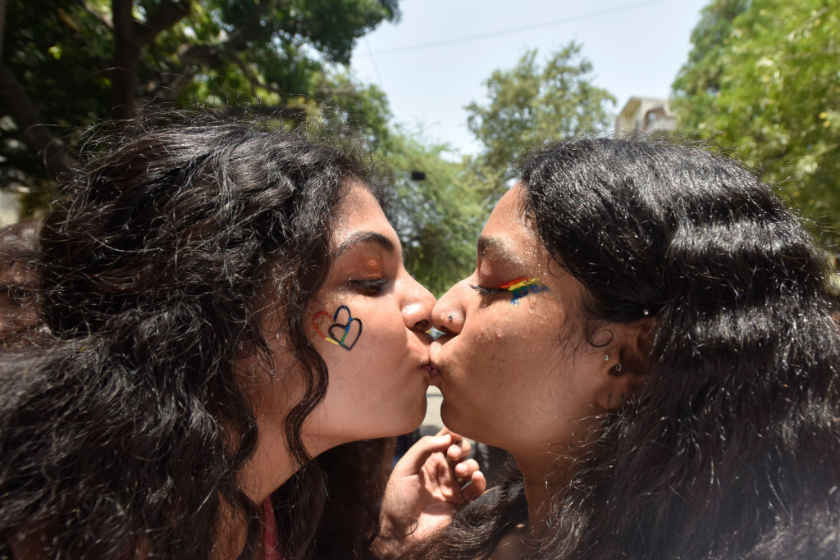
649	333
229	314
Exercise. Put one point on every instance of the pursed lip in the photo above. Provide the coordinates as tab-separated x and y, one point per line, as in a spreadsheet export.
434	363
433	372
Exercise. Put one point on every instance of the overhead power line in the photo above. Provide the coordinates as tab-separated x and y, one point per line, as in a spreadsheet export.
512	30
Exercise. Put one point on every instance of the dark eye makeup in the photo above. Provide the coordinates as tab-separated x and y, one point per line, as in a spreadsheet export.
483	291
368	286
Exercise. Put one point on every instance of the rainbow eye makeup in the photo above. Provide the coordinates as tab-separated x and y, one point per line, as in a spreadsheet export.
519	287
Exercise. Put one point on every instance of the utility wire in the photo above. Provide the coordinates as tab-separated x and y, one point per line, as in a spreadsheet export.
523	28
373	61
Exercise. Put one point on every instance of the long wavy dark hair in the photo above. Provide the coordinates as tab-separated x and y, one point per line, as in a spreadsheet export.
732	448
125	435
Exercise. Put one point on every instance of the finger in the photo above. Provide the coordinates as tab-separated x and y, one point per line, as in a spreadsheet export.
417	454
476	487
464	469
459	450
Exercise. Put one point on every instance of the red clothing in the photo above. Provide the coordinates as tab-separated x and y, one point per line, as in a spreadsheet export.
270	532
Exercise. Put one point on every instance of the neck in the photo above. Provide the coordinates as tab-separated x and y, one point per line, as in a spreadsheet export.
543	476
269	468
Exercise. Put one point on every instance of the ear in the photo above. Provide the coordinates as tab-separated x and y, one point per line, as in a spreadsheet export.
626	363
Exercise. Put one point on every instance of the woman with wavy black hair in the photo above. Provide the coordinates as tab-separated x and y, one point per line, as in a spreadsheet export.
648	332
229	314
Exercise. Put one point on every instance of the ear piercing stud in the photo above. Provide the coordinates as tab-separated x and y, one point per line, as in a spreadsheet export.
645	312
618	366
606	357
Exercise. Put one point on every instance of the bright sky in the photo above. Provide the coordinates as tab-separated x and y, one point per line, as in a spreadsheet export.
433	62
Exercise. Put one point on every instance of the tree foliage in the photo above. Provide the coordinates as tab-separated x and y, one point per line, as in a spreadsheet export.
438	217
762	83
534	103
69	64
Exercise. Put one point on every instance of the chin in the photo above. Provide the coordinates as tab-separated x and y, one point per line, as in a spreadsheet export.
455	422
408	419
418	416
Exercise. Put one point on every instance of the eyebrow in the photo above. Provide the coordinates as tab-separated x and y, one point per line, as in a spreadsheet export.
363	237
495	247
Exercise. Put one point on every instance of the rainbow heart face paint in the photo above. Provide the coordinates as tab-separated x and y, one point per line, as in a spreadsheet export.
341	332
521	287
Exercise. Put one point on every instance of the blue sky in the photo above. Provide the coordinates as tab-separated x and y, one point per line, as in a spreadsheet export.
431	64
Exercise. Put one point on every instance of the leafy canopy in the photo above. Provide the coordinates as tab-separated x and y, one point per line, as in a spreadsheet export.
531	104
438	218
70	64
762	83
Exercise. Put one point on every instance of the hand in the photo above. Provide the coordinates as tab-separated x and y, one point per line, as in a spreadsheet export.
425	490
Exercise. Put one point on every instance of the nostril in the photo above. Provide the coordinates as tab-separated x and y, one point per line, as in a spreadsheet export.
445	330
423	325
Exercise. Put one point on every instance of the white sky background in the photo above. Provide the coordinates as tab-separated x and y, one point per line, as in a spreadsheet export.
636	47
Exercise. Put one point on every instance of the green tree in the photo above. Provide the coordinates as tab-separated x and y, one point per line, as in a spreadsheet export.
438	217
762	83
531	104
69	64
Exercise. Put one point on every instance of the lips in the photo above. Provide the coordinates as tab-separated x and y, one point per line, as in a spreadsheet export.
433	372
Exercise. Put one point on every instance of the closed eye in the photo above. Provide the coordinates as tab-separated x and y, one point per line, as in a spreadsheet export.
368	286
487	291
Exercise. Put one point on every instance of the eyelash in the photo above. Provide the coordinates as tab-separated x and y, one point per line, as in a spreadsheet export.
487	291
371	287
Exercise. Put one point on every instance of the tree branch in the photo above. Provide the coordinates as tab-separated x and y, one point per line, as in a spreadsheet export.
55	154
193	59
167	14
102	18
126	57
2	25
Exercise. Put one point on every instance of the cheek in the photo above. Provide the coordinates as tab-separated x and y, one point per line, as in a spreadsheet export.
379	345
511	346
501	336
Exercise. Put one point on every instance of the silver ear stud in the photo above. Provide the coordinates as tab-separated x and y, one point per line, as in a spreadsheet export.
606	357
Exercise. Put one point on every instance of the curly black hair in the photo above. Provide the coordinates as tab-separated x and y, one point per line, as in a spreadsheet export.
730	451
125	436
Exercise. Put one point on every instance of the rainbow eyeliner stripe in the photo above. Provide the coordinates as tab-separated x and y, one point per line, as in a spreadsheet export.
517	283
521	287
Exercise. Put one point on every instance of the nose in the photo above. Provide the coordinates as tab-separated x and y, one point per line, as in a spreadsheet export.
417	306
449	313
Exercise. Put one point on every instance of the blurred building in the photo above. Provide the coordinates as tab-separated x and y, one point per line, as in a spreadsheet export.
9	207
644	115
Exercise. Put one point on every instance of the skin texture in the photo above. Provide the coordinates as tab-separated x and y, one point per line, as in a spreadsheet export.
522	376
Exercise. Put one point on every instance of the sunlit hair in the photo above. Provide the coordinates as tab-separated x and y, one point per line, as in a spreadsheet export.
731	448
125	436
18	316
